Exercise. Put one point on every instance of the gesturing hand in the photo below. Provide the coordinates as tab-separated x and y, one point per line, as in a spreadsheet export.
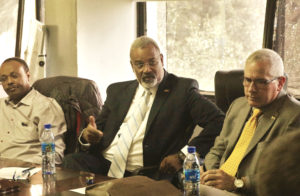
91	134
218	179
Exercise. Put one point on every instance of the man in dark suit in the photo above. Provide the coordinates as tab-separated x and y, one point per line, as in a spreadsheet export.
175	107
279	113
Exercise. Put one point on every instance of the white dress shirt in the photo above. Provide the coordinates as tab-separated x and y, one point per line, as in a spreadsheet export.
22	124
135	154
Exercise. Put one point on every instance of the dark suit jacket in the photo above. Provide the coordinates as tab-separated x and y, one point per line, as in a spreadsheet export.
278	118
176	110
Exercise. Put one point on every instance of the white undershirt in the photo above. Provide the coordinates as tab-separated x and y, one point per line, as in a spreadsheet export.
135	154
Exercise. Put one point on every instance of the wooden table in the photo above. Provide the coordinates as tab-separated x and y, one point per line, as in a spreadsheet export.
66	179
59	184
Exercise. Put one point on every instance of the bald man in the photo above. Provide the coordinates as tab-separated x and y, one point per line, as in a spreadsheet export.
122	143
232	161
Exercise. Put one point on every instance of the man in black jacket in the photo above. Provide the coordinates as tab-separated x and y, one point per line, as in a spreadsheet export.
175	107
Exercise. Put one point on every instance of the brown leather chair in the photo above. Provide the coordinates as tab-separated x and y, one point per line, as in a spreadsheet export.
78	97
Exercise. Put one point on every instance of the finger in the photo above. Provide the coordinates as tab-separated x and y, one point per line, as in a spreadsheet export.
212	183
92	122
210	177
206	173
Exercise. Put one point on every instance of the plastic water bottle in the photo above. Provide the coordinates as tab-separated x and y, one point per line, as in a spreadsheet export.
49	184
191	171
48	151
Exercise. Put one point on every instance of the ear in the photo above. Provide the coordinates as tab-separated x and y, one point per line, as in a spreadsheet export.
28	75
162	59
281	82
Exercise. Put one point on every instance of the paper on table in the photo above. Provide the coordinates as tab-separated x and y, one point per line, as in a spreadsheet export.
10	172
79	190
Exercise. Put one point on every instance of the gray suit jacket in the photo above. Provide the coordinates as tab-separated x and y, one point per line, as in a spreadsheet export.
278	118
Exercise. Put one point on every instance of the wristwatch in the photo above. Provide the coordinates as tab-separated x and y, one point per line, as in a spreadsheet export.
238	183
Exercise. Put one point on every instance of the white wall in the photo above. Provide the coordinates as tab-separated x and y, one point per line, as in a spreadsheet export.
61	23
105	31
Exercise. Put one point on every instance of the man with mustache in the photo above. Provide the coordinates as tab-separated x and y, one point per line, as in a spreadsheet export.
23	115
251	123
173	110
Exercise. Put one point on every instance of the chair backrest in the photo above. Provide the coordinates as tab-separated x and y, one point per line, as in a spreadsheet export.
78	97
229	86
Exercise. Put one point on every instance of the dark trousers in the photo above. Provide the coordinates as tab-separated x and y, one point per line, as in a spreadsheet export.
86	162
99	165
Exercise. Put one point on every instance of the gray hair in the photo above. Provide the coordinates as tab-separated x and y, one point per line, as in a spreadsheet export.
271	58
142	42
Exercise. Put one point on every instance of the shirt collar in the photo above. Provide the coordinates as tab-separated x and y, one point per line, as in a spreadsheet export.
274	103
141	90
27	100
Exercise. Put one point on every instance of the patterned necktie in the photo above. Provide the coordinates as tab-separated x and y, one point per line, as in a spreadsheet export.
118	164
232	163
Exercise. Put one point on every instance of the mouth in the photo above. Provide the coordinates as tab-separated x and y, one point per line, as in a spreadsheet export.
11	89
252	98
148	78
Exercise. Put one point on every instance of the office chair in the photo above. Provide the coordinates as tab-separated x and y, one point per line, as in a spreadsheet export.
78	97
228	87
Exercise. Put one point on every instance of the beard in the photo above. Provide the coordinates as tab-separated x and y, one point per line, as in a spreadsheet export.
149	80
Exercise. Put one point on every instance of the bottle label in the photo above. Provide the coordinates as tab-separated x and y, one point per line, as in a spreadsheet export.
48	147
192	175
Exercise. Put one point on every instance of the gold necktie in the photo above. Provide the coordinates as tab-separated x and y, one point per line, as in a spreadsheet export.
232	163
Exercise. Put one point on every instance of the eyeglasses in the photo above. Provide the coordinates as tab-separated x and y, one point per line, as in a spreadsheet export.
259	83
140	64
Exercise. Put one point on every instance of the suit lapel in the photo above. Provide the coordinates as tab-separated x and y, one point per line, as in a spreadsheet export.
126	100
243	115
162	94
266	121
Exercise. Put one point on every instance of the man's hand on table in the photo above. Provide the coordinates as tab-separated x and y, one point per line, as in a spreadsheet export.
219	179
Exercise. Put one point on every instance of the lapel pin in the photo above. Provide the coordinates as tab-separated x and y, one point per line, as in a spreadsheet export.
167	90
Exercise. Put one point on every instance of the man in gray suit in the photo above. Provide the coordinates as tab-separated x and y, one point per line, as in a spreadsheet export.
279	113
175	107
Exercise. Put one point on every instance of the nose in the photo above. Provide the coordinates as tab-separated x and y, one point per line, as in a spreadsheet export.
252	87
146	68
9	80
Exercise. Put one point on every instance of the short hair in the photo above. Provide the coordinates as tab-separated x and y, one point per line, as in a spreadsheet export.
24	64
270	56
142	42
278	170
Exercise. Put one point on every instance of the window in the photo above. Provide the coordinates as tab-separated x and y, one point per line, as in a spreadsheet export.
286	41
199	37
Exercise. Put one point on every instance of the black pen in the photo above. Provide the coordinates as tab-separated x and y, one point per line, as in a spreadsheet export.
27	170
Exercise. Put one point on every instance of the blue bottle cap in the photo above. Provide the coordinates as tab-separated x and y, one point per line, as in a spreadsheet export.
191	149
47	126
